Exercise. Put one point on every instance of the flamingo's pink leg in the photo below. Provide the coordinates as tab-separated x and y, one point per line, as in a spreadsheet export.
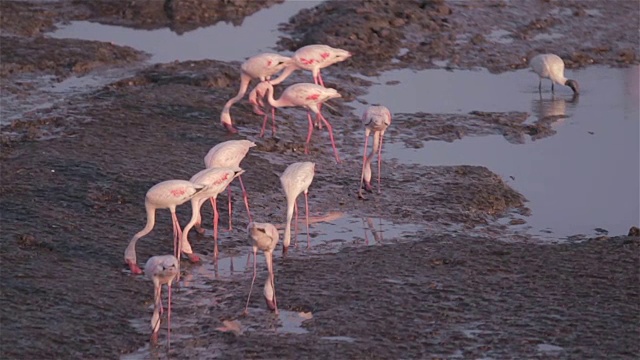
255	254
230	209
295	225
379	160
364	159
215	227
306	205
306	146
169	318
273	121
176	240
333	143
320	78
264	125
246	198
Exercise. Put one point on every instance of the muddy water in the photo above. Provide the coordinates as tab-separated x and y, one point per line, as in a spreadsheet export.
258	33
563	175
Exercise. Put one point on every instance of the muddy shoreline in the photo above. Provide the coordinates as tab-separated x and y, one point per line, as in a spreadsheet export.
74	178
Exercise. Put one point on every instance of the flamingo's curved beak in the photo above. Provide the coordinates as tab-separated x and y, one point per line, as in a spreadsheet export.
135	269
270	304
284	250
230	128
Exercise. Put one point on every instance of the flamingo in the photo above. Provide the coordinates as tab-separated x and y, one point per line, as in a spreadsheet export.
306	95
165	195
229	154
376	119
296	179
259	67
313	58
215	180
161	270
551	66
264	237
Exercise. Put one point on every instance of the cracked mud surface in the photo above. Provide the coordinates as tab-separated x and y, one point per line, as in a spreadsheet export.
74	178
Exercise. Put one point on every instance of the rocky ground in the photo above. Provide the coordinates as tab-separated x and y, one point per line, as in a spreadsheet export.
74	178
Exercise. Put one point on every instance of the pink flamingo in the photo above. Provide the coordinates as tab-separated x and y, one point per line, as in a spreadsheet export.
313	58
306	95
215	180
229	154
264	237
259	67
161	270
376	119
296	179
165	195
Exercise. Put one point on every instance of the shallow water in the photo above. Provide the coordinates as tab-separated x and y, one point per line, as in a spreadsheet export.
584	177
257	34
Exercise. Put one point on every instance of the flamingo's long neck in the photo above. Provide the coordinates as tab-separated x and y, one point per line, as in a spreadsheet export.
244	85
273	102
130	252
287	71
196	203
291	200
155	319
269	285
374	150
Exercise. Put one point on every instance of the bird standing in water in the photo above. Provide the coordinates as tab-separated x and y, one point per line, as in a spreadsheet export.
259	67
313	58
306	95
551	66
375	119
264	237
229	154
215	180
165	195
296	179
161	270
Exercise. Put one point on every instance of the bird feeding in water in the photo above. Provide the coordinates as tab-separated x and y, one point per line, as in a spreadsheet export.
215	180
308	96
296	179
313	58
229	154
375	119
161	270
165	195
551	66
264	237
259	67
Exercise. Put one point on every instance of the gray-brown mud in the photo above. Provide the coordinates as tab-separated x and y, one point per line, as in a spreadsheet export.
495	34
70	204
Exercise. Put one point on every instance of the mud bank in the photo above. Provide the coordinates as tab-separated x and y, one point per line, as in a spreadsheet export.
74	177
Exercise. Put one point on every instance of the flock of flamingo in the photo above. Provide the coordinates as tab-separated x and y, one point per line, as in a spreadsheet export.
222	165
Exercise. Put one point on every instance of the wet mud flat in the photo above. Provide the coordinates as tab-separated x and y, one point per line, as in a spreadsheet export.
71	203
440	297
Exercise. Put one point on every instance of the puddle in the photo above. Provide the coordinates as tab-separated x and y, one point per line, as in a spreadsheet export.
257	34
348	230
339	338
291	322
584	177
547	37
50	93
